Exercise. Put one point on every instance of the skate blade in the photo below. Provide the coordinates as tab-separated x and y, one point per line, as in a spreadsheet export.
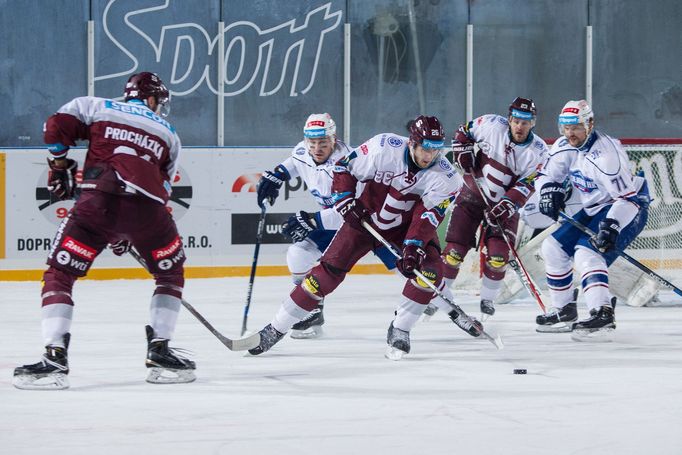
170	376
54	381
394	354
559	327
603	335
310	332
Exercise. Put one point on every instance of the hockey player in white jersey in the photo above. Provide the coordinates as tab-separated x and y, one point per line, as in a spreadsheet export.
503	155
408	187
614	205
312	160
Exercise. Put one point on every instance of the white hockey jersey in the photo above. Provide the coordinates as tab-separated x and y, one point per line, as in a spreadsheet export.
599	171
318	178
403	198
502	163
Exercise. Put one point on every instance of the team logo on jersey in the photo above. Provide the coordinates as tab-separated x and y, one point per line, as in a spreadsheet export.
63	257
300	151
395	142
582	183
364	149
430	217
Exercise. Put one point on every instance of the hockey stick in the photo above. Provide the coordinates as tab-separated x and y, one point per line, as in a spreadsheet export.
240	344
254	264
497	341
653	275
515	261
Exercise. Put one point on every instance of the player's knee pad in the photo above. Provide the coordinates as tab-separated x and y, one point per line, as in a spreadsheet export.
418	290
72	256
57	286
167	258
495	267
170	282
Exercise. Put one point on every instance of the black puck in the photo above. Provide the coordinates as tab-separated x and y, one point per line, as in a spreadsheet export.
520	371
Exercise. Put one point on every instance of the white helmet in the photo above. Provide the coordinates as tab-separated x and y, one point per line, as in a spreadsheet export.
319	125
575	113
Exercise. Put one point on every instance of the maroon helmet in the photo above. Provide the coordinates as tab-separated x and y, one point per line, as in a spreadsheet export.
523	108
427	131
143	85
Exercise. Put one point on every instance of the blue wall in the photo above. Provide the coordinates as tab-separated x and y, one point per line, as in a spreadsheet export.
284	60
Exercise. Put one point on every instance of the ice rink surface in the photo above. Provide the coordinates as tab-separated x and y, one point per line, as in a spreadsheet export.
338	395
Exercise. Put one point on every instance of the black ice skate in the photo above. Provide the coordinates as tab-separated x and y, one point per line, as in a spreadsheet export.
598	326
560	320
311	326
48	374
487	307
472	327
269	336
165	366
398	343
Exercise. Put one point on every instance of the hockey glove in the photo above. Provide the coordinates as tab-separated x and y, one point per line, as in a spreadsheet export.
552	199
500	212
464	155
353	212
605	239
413	256
299	226
269	185
61	180
120	248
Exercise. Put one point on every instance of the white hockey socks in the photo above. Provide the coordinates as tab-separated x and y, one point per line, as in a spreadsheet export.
164	311
56	322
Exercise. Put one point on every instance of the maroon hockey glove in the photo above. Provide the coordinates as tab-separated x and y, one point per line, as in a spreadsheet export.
61	180
353	212
500	212
413	256
120	248
464	155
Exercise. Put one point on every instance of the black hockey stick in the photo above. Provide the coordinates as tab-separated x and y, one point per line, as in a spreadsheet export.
497	341
515	261
240	344
655	276
254	264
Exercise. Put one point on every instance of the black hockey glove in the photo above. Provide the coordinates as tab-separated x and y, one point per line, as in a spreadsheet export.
269	185
605	239
464	155
413	256
299	226
61	181
552	197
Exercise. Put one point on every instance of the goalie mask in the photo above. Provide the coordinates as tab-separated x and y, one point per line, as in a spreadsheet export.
141	86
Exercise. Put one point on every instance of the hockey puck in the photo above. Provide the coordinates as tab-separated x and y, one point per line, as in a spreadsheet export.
520	371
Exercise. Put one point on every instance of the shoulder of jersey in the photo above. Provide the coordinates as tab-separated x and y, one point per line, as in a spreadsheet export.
299	150
445	167
561	145
605	155
392	140
539	143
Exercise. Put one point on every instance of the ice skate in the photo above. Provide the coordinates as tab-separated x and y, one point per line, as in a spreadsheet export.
269	336
429	311
311	326
472	327
560	320
48	374
487	308
598	327
398	343
165	366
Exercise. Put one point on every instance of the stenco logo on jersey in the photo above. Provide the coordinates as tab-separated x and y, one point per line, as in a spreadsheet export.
167	250
78	248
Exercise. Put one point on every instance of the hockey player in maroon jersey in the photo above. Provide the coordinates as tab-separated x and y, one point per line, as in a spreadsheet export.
131	161
408	186
502	155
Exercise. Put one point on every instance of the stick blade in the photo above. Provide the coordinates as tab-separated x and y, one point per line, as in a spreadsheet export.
242	344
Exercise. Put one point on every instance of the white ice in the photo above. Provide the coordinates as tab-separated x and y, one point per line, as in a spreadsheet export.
338	395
